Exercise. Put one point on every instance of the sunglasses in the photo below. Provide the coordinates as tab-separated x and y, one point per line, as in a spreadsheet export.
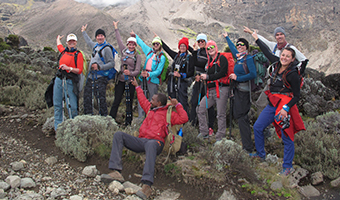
240	43
211	47
155	44
201	41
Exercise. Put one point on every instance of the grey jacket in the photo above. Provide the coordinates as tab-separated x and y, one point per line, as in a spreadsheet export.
95	58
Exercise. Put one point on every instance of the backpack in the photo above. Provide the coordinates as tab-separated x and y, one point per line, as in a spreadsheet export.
225	80
261	64
172	142
162	77
109	73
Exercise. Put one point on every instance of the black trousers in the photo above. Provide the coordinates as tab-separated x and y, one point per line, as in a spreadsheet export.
181	95
99	92
197	90
119	92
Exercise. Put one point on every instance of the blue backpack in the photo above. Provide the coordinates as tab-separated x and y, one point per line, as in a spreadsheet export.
110	73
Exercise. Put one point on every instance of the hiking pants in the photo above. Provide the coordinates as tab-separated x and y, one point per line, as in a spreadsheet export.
119	92
152	148
265	119
194	102
240	109
152	90
58	100
101	82
221	106
182	94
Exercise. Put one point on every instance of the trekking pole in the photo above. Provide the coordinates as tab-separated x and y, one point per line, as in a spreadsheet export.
92	73
231	99
97	89
68	98
128	110
62	110
145	86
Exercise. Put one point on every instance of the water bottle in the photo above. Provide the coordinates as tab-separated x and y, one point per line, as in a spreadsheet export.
180	132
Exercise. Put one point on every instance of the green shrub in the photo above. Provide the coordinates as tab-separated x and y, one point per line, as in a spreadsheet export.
35	98
318	148
79	137
14	40
4	45
48	49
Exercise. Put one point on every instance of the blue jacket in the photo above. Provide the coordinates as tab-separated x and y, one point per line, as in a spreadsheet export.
157	64
238	69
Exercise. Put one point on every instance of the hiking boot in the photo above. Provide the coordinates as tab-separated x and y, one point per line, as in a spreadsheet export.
211	132
145	192
286	171
114	175
255	155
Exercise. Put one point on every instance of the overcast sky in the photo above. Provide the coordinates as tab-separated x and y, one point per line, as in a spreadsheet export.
104	3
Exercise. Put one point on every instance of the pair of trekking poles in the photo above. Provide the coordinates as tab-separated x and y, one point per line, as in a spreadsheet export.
95	86
66	100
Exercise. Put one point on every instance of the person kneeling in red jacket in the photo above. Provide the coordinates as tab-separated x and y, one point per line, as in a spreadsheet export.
150	140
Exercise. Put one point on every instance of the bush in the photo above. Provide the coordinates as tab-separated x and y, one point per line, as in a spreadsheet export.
318	148
4	45
48	49
14	40
79	137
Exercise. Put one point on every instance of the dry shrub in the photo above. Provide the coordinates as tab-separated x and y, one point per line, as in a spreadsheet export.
318	148
79	137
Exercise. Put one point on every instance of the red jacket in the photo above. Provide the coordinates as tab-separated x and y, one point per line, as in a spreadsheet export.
296	123
68	59
154	125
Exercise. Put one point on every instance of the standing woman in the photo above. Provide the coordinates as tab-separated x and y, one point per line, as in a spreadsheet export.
182	68
217	91
66	79
130	66
153	67
200	59
244	71
283	94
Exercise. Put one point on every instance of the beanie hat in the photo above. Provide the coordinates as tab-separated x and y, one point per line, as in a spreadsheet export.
100	31
185	41
279	30
71	36
244	41
157	39
131	40
202	36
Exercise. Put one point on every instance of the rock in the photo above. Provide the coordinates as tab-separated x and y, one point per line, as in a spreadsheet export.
14	181
298	174
336	182
2	194
310	191
272	158
51	160
227	195
90	171
30	196
116	184
46	178
24	116
27	183
129	191
17	166
128	184
132	198
58	192
276	185
317	178
168	195
76	197
4	185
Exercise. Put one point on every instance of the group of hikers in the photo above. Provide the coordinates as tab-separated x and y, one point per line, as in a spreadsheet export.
216	76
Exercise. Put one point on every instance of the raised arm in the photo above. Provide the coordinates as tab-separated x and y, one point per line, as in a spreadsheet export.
87	39
118	37
264	48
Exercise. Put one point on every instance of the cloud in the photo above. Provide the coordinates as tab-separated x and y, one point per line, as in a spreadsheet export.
104	3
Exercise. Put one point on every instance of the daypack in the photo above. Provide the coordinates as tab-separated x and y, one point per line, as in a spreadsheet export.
162	77
110	73
172	142
261	64
231	64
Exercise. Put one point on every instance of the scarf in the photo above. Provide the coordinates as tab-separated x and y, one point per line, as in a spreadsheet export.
281	46
241	55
